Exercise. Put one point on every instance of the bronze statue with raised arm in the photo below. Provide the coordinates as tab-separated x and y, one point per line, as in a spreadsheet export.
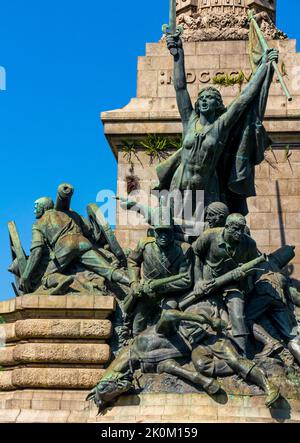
220	146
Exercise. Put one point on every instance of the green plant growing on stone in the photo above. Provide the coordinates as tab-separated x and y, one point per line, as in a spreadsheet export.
156	147
283	69
129	151
176	143
229	79
270	148
270	162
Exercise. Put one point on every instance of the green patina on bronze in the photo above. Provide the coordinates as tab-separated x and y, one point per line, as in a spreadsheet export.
219	152
220	146
66	253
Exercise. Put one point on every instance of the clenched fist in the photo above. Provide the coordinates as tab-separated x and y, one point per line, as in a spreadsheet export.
271	55
173	42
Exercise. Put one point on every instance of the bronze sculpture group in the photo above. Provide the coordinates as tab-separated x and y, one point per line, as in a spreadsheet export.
190	306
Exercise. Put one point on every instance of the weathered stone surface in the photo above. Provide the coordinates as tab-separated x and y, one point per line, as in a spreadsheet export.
42	394
62	353
6	383
45	404
292	237
7	356
39	306
7	306
63	328
78	417
261	236
8	332
9	416
56	378
293	220
145	408
199	408
224	19
18	404
262	220
36	416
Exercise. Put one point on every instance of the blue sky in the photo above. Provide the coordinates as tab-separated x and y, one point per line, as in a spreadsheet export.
66	61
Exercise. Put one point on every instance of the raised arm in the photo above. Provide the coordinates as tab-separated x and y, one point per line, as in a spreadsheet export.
239	105
184	103
132	205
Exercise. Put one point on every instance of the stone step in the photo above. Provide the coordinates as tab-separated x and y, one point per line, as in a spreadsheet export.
70	416
61	353
79	306
70	406
50	378
57	329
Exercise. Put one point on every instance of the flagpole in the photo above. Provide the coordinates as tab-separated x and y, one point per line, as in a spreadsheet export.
265	47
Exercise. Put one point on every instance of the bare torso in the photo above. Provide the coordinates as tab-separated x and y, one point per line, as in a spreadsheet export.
201	151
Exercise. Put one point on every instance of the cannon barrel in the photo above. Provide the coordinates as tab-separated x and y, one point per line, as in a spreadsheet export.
65	192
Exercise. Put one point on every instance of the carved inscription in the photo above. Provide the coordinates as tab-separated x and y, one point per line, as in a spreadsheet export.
200	76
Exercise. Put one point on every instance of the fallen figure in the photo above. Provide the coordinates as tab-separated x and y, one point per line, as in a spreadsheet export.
162	348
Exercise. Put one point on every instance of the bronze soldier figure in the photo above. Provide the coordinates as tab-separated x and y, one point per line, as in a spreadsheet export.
216	215
269	297
65	233
221	250
165	348
215	355
155	258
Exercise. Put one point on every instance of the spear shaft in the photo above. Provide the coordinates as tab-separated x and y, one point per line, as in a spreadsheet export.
172	17
172	28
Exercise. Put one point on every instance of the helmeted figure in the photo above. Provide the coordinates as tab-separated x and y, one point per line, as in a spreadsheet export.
156	258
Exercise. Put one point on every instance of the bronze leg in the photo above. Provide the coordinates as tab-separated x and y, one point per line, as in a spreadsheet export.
172	367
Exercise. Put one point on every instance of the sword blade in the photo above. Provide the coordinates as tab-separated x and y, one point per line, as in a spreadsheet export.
172	19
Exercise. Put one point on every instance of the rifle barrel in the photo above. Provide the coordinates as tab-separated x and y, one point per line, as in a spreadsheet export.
222	280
